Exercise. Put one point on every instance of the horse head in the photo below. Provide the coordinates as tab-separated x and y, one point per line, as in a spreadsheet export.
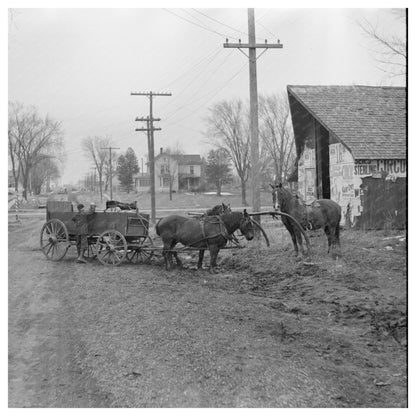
277	196
226	209
246	226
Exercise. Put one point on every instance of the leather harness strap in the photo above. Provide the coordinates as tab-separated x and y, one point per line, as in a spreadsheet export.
223	230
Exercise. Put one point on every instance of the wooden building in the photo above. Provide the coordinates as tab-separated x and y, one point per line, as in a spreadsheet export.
351	145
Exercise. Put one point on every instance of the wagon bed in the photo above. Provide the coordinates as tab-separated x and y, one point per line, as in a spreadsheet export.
112	237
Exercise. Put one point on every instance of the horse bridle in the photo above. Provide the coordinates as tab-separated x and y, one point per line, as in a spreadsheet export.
244	224
276	204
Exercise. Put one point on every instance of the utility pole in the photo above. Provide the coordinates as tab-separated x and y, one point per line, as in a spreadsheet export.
111	169
151	145
254	113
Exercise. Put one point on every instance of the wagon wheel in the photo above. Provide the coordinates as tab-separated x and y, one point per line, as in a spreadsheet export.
54	240
111	248
141	253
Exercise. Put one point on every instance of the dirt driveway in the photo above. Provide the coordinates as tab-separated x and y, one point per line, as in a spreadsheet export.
269	331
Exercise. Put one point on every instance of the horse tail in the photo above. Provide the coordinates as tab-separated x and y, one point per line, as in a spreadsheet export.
157	227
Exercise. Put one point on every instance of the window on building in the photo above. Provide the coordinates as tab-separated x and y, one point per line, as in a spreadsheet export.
165	182
191	170
144	182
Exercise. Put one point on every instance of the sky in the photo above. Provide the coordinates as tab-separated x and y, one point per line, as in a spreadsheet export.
80	65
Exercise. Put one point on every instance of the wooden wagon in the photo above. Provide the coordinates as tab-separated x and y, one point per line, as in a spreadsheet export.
113	236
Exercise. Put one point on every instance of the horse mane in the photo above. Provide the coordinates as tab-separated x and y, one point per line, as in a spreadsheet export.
231	219
287	198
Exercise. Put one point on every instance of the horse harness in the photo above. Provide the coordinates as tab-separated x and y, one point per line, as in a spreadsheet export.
307	220
222	228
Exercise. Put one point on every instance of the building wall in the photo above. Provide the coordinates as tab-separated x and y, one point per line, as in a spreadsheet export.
186	170
346	176
162	181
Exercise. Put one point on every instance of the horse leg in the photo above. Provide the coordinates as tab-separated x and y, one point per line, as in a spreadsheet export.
178	260
166	256
200	258
329	237
298	236
337	242
167	253
213	251
175	254
294	239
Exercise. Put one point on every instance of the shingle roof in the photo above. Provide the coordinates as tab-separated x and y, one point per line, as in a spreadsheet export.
184	159
188	159
370	121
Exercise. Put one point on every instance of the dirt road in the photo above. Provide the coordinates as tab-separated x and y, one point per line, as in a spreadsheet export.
138	336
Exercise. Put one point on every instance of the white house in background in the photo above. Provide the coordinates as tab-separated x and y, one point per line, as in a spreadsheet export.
185	171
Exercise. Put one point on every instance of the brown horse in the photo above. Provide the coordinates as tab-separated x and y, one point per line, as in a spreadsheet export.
218	210
207	233
323	213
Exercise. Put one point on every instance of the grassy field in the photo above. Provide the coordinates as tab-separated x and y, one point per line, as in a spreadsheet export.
180	200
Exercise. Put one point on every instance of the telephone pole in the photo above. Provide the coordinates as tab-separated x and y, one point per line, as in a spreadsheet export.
111	169
254	113
151	146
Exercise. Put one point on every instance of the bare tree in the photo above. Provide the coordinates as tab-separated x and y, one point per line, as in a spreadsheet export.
110	170
42	174
171	166
31	141
276	134
390	49
95	150
228	125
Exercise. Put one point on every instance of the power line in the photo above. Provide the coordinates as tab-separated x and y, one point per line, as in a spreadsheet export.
221	23
212	73
196	24
212	94
265	28
211	55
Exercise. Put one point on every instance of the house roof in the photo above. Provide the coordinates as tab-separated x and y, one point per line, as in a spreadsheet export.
370	121
184	159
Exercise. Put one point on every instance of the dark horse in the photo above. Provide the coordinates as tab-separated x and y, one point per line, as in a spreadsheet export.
218	210
323	213
207	233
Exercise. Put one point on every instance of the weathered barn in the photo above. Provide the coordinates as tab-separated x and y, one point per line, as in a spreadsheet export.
351	144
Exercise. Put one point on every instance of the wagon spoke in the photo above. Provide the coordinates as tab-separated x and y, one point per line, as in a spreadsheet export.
54	239
49	249
106	254
111	247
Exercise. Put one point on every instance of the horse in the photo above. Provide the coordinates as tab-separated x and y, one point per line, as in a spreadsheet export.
322	213
123	206
207	233
218	210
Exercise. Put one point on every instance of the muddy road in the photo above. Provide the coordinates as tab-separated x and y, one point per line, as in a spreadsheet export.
268	331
